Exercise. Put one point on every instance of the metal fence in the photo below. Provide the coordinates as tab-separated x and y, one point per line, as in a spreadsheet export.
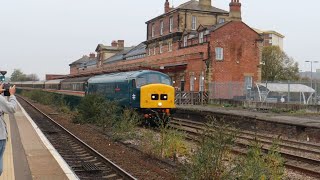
191	98
285	92
227	90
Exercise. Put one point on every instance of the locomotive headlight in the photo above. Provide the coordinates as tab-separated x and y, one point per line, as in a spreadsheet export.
164	97
160	104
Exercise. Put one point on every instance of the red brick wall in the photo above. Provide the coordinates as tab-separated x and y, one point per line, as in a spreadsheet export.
241	52
73	70
165	25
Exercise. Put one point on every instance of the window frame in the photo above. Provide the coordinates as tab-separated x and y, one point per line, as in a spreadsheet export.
201	37
152	30
161	27
171	24
185	41
221	20
219	53
193	22
169	46
160	48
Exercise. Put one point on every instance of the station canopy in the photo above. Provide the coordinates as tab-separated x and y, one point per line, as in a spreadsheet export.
280	87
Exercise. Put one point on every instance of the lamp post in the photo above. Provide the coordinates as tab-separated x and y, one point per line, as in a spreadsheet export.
311	62
311	69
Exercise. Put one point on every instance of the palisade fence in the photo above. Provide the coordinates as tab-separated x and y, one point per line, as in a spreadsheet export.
191	98
285	92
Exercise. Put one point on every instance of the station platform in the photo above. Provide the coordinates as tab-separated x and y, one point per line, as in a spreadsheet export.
303	121
28	153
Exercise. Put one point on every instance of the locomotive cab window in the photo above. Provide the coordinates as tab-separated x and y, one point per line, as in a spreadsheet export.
152	78
141	80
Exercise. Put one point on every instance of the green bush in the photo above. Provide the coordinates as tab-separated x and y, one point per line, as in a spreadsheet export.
92	109
258	165
169	143
126	124
212	160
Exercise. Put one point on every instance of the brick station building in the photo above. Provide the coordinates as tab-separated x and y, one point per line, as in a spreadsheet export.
196	44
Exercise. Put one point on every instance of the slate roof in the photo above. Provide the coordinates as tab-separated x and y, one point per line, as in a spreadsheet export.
138	50
118	56
83	59
194	5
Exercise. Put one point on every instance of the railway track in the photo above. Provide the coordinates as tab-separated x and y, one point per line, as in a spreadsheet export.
300	156
86	162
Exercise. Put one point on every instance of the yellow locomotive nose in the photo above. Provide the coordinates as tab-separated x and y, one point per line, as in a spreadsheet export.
157	96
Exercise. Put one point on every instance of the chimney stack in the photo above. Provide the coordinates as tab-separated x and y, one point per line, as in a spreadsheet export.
92	55
121	44
166	6
205	3
114	44
235	10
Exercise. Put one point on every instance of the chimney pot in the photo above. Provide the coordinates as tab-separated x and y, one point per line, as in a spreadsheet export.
114	44
166	6
92	55
120	43
235	10
205	3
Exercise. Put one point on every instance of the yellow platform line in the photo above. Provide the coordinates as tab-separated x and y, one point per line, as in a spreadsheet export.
8	167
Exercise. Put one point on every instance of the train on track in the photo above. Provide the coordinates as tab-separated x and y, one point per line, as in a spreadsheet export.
149	92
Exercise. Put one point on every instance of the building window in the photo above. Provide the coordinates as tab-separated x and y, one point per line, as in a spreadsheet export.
152	30
219	53
270	41
192	78
248	82
194	23
154	51
170	46
160	48
149	51
221	20
201	82
161	27
201	37
171	24
185	41
270	35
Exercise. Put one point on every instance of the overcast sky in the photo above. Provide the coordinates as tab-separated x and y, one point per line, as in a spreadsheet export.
45	36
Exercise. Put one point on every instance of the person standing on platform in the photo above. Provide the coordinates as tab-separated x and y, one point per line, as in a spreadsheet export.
6	106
